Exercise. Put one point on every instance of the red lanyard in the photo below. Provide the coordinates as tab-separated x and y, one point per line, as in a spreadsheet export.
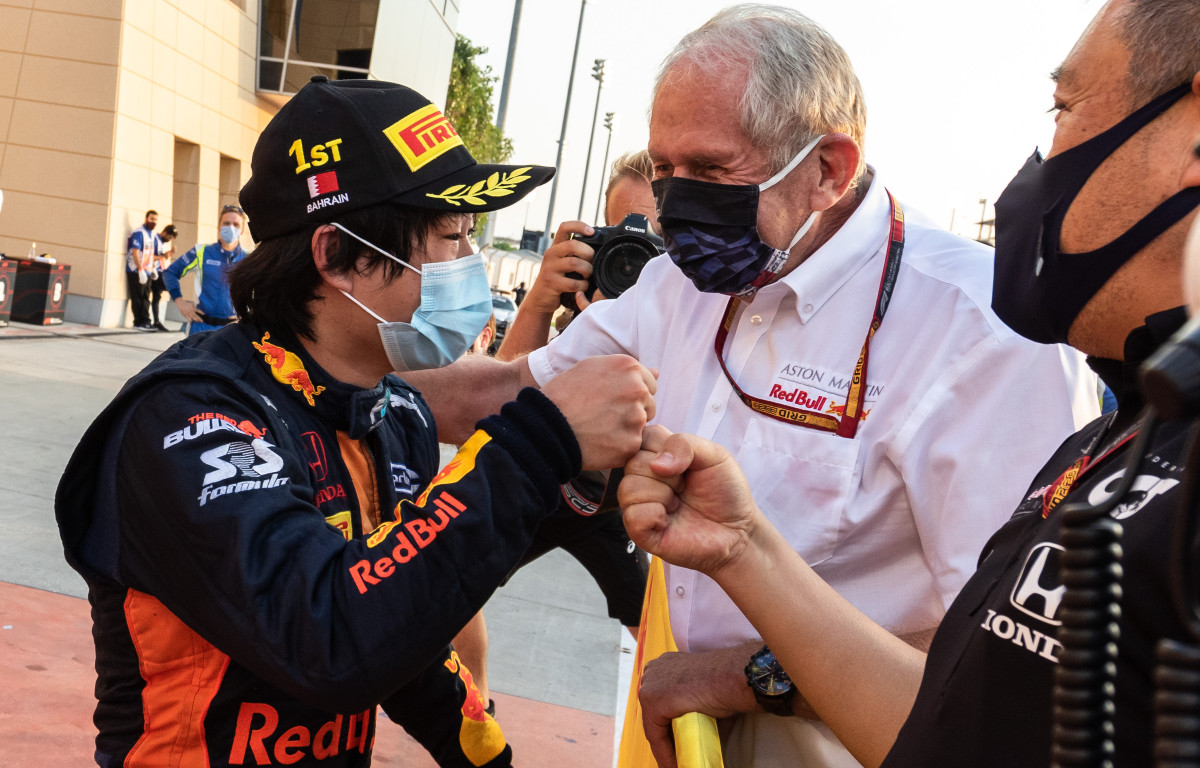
847	425
1059	489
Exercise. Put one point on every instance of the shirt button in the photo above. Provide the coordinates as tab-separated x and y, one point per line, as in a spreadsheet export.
679	591
715	407
756	320
808	308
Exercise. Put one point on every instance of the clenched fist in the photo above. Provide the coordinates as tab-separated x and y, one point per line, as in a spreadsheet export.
687	501
607	401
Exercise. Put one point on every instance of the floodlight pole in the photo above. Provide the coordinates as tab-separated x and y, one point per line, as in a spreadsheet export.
598	74
608	123
502	111
562	138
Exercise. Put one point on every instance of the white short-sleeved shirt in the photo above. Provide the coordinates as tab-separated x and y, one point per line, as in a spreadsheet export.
960	413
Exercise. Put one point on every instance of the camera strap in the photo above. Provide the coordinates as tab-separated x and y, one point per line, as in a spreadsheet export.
842	420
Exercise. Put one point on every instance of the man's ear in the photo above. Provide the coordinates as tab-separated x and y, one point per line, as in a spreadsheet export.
1191	171
325	243
839	157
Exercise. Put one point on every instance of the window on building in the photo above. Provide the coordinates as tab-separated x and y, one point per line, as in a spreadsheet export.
302	38
185	201
230	180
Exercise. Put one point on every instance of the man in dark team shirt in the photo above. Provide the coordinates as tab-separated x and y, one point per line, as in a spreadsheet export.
1089	245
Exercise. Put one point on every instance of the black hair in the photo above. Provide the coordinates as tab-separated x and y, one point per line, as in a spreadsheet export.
150	213
276	285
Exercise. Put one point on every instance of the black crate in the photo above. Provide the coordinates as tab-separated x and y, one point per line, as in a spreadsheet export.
8	279
40	295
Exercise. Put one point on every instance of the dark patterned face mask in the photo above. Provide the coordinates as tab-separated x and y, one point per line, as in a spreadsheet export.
711	231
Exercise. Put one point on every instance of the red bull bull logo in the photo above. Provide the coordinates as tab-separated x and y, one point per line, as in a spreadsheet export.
288	369
205	423
840	410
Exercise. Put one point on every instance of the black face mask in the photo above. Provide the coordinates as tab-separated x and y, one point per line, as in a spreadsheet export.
1039	291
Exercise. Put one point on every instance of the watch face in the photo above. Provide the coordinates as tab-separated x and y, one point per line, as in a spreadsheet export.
767	676
770	684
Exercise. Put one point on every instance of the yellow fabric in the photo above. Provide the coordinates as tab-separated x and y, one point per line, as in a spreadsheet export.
480	736
696	741
697	744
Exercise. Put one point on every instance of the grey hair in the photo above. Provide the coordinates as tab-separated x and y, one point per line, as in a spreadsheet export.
801	83
633	165
1163	38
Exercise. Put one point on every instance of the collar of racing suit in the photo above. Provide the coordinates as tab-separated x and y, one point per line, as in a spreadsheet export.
356	411
1121	376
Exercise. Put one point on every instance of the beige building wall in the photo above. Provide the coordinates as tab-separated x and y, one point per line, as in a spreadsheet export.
95	96
427	26
59	69
112	107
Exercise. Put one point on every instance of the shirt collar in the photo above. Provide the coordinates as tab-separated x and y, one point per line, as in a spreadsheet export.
1121	376
826	270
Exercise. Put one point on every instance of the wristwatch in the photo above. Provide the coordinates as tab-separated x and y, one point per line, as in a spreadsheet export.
772	687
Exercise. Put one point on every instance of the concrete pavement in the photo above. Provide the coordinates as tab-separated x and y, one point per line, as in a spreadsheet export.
555	663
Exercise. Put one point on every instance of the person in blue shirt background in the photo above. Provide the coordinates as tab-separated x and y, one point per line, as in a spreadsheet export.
140	248
210	265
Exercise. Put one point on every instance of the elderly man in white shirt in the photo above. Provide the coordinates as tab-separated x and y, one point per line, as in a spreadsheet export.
840	346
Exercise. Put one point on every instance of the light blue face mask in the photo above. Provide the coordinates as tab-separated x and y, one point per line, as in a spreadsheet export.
230	234
456	304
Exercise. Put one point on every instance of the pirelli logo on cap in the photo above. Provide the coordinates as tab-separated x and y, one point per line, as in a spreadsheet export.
423	136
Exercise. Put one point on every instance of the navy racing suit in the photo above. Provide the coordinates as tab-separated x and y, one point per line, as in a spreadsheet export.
270	553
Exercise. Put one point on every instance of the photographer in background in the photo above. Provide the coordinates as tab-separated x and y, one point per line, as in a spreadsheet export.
628	192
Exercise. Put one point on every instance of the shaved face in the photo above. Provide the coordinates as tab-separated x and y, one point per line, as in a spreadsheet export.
631	194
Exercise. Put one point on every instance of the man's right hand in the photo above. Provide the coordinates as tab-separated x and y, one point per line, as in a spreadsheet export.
607	401
565	255
188	310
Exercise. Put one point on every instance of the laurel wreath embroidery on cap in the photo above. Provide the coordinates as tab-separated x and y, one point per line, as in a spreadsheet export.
493	186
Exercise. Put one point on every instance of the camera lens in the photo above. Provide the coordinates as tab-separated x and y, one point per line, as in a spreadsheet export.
616	268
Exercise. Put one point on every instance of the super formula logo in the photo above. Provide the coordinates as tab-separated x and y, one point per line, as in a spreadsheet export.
251	465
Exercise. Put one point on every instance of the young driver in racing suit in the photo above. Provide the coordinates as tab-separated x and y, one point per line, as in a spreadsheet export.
296	562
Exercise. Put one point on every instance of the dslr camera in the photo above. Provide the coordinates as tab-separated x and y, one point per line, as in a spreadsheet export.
621	252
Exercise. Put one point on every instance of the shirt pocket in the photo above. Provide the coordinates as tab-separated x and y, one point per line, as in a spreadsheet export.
802	480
